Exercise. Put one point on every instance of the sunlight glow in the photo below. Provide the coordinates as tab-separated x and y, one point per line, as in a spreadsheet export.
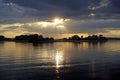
29	24
58	21
11	25
54	23
43	24
60	26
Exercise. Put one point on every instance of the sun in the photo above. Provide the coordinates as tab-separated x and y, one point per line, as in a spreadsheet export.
58	21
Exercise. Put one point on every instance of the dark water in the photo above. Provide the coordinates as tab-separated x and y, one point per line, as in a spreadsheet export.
60	61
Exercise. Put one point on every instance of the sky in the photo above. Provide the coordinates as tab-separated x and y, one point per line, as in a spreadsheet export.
60	17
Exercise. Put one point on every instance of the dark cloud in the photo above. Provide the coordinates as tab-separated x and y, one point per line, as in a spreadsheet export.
92	26
72	8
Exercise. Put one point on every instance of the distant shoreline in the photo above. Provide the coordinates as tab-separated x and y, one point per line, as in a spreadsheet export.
74	41
35	38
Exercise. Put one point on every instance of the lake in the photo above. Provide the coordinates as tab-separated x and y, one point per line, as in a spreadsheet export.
60	61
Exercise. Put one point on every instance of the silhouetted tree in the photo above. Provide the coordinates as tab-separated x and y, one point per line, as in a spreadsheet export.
75	37
2	38
100	36
81	37
33	38
94	37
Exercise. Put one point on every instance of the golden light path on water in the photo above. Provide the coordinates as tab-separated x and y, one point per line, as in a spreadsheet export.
59	58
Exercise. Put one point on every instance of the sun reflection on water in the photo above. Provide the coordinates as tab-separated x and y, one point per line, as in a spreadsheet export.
59	58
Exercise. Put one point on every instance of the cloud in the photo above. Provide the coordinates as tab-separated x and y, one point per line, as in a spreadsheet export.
112	33
101	4
71	8
70	27
13	10
92	26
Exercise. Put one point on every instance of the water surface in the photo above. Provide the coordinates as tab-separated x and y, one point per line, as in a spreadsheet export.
60	61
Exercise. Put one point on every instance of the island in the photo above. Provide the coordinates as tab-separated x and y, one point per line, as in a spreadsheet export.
35	38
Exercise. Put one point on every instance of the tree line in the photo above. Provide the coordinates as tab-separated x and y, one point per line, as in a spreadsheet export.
33	38
93	37
40	38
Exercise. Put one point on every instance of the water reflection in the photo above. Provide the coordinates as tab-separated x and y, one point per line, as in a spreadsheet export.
59	61
59	58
